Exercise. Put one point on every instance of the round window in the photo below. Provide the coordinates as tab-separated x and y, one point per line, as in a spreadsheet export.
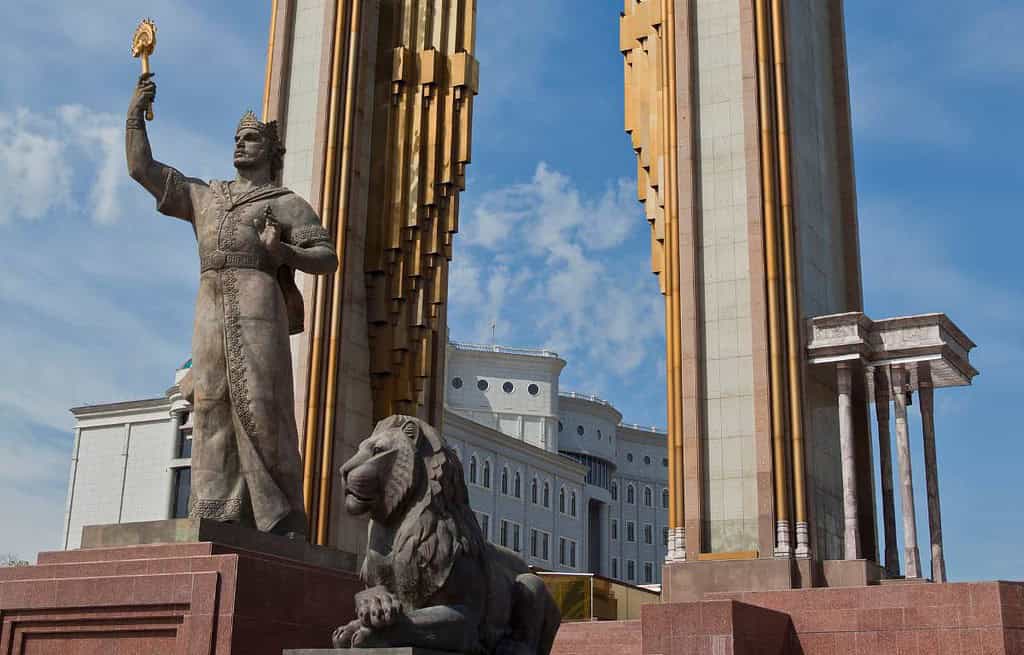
533	389
507	387
629	457
457	383
579	430
481	385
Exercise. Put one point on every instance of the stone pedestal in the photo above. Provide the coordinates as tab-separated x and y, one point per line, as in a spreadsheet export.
366	651
917	619
235	592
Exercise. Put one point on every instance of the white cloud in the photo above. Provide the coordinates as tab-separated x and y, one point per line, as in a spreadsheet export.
34	174
563	274
101	137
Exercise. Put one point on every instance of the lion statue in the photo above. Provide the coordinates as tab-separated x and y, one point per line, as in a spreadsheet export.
432	579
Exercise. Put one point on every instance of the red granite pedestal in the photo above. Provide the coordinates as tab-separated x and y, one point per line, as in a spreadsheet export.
179	598
910	619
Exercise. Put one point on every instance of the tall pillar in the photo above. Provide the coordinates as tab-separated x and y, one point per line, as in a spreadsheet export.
931	471
879	379
899	393
850	514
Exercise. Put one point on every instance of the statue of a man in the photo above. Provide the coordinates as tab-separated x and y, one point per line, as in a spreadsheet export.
252	234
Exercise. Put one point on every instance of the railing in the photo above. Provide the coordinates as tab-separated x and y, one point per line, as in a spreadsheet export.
585	396
506	350
643	428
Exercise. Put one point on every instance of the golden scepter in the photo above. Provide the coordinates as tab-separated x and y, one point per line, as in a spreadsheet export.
143	44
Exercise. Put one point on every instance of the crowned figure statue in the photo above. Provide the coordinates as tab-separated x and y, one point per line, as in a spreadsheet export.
252	235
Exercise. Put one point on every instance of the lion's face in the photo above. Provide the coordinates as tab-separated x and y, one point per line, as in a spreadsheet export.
383	471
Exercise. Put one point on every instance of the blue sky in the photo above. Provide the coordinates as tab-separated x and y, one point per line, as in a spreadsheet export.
98	289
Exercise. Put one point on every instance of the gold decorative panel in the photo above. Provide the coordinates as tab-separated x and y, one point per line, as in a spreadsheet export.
426	149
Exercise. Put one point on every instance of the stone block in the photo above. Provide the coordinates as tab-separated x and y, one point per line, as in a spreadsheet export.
367	651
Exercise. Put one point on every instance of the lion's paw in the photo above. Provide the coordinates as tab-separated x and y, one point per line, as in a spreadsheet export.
377	607
344	636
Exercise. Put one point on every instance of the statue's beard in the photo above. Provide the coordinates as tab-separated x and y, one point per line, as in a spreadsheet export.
242	162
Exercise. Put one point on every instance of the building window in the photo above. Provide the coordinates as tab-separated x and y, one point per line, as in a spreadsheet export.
516	543
457	383
629	457
648	497
487	474
534	542
560	426
508	387
664	462
472	469
615	529
648	572
630	571
547	495
647	460
182	486
664	498
503	533
481	385
630	531
572	504
484	521
504	480
561	500
598	435
567	552
533	389
615	490
630	494
545	546
648	534
533	491
579	430
517	486
184	448
664	537
615	567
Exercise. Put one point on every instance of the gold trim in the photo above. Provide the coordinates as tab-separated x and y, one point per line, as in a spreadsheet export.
794	358
344	177
769	181
270	58
314	441
727	557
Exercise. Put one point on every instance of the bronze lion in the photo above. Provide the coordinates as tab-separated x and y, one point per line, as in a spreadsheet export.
432	579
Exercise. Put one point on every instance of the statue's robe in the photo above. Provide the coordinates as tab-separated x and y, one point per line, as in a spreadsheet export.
245	459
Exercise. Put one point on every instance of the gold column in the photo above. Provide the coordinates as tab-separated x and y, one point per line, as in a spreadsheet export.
790	281
647	40
270	58
776	348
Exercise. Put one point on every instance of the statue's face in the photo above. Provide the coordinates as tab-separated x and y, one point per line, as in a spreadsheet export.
250	149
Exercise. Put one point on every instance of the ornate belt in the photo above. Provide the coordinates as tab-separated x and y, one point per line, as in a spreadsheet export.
219	260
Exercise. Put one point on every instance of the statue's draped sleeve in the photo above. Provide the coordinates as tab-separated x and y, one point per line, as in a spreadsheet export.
176	199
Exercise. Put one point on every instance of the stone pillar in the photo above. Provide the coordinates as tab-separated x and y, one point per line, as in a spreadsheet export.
850	515
879	380
931	471
899	393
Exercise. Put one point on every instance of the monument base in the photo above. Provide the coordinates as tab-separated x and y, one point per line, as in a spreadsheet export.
215	589
916	619
366	651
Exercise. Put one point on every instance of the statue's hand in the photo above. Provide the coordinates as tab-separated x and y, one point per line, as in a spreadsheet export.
270	237
350	635
145	93
377	607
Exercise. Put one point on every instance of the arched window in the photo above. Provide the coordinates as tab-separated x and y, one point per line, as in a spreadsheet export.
547	495
504	480
630	492
664	498
472	469
517	486
615	490
561	500
572	504
648	497
487	474
533	491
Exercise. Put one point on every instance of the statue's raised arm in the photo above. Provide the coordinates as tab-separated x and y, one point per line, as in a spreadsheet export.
150	173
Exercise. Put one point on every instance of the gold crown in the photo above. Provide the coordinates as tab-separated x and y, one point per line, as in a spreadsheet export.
268	130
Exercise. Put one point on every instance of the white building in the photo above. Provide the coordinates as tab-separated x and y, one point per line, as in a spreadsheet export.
555	476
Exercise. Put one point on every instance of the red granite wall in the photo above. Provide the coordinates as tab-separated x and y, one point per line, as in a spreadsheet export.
598	638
